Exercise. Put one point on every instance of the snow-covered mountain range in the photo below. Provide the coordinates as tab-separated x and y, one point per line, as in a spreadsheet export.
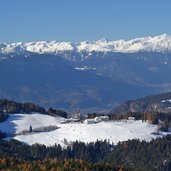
161	43
86	75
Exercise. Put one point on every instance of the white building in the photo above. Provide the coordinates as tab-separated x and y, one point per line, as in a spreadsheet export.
101	118
97	119
89	121
131	118
104	118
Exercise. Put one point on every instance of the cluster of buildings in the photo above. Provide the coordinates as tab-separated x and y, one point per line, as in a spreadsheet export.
77	118
96	119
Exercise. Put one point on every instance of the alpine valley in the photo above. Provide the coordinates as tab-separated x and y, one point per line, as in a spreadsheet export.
90	76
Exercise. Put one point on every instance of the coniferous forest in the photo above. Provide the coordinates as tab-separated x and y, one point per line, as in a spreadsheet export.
100	155
130	155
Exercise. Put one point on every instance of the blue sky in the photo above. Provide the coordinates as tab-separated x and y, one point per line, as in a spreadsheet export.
77	20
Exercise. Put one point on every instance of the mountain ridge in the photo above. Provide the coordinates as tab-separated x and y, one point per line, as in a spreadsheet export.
154	103
161	43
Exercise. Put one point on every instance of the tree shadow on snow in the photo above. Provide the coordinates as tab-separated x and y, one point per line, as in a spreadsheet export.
8	126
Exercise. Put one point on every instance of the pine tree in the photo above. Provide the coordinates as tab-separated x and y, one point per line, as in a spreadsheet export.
31	128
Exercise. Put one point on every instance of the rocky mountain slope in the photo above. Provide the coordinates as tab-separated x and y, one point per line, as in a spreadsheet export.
154	103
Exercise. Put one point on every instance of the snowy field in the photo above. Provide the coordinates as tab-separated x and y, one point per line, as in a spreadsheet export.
113	131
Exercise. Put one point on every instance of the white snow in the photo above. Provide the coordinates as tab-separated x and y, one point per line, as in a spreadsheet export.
113	131
19	122
161	43
167	100
85	68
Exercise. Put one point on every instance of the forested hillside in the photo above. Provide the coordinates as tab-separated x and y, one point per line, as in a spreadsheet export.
133	154
9	106
159	103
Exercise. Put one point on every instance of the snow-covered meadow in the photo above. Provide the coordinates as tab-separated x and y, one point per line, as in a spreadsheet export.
112	131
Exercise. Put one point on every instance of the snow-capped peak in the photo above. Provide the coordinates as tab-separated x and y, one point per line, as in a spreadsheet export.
161	43
104	40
